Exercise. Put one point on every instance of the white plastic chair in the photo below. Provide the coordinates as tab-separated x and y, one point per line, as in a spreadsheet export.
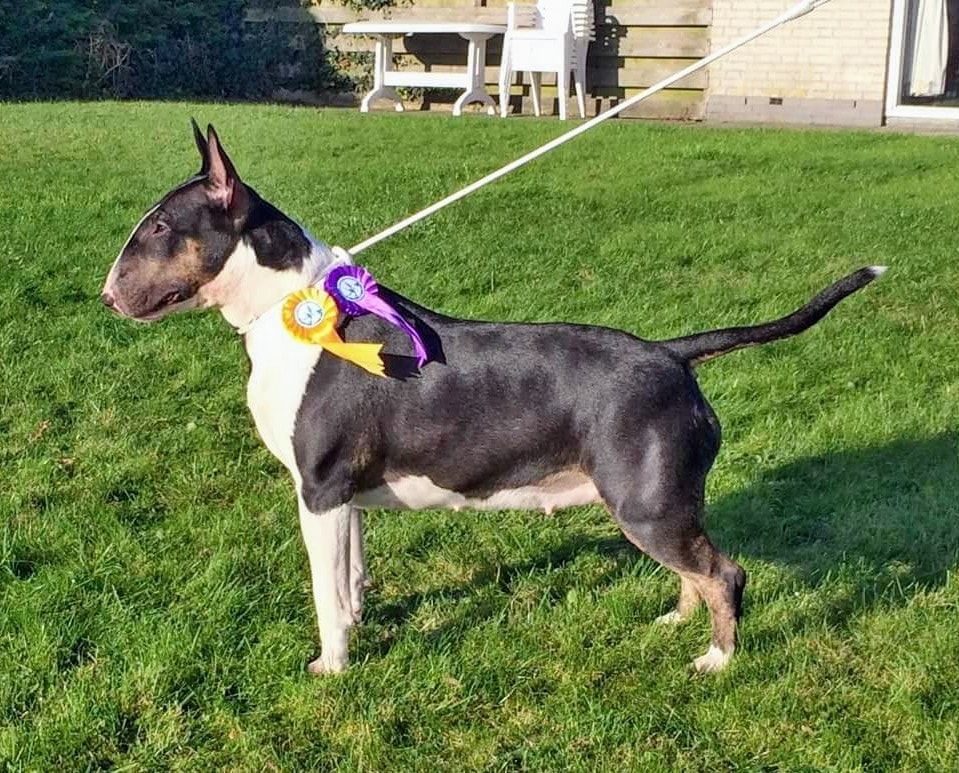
551	36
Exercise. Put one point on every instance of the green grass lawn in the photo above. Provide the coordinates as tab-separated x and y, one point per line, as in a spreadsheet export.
155	609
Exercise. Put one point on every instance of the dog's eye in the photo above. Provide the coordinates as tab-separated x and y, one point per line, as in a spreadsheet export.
159	227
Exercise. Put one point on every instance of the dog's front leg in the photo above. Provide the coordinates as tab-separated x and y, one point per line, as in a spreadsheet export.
358	576
327	539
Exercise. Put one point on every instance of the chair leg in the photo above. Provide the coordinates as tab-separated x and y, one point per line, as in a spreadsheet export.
504	79
535	79
579	79
505	76
562	88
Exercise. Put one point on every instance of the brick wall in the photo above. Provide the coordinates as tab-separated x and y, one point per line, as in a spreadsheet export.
828	67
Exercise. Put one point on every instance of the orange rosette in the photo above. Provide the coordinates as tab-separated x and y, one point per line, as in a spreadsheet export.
310	316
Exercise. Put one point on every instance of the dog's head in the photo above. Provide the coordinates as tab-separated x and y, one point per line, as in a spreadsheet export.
182	243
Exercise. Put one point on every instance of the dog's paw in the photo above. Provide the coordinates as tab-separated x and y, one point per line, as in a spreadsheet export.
714	660
670	618
325	665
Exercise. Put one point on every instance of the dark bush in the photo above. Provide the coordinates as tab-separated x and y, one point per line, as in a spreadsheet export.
154	48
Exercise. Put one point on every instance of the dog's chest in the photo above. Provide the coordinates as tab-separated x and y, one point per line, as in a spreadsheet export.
280	367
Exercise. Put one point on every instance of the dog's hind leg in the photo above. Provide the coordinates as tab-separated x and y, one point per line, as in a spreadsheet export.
677	541
651	472
689	601
655	490
327	539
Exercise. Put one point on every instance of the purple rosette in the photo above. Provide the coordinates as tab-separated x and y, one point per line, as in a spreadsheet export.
356	293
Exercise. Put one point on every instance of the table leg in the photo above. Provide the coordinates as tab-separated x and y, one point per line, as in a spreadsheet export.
476	74
382	58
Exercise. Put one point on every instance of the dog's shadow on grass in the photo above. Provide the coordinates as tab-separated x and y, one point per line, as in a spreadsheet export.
891	507
865	528
876	525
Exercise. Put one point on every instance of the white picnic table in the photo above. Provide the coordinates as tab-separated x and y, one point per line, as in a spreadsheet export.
385	77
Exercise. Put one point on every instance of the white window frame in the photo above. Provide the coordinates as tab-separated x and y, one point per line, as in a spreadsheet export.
897	49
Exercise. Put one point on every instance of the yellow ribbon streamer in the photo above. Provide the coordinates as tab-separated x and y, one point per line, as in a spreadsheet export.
310	316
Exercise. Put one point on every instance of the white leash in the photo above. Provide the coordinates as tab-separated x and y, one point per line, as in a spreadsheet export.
800	9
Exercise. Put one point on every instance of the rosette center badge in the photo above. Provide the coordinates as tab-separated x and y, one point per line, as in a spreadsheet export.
350	288
308	313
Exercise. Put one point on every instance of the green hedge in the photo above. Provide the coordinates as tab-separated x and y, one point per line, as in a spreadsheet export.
154	48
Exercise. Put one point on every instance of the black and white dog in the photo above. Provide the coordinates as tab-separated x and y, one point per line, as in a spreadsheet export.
524	416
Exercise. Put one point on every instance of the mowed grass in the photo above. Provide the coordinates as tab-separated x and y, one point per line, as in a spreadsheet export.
155	610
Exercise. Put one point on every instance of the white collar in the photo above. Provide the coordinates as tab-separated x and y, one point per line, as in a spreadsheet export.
340	258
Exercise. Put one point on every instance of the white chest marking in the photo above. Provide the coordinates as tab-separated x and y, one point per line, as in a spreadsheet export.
280	365
280	369
415	492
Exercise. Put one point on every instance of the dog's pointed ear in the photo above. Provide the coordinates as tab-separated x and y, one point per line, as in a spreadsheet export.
201	146
223	183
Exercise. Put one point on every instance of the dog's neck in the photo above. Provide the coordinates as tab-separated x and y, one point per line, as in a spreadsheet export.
251	282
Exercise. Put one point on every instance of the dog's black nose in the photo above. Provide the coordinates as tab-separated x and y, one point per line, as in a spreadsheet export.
108	300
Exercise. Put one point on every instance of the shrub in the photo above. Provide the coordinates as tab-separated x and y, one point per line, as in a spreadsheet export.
154	48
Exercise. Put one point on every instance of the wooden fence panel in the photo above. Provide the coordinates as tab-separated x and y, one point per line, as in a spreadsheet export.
638	43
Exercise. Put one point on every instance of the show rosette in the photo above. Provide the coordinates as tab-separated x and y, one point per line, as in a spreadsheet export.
311	315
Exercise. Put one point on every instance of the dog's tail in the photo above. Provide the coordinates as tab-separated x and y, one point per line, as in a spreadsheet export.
700	347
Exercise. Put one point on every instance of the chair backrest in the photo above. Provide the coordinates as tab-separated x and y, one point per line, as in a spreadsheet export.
576	16
556	14
583	20
522	15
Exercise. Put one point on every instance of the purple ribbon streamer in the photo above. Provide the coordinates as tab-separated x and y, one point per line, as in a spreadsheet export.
356	293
